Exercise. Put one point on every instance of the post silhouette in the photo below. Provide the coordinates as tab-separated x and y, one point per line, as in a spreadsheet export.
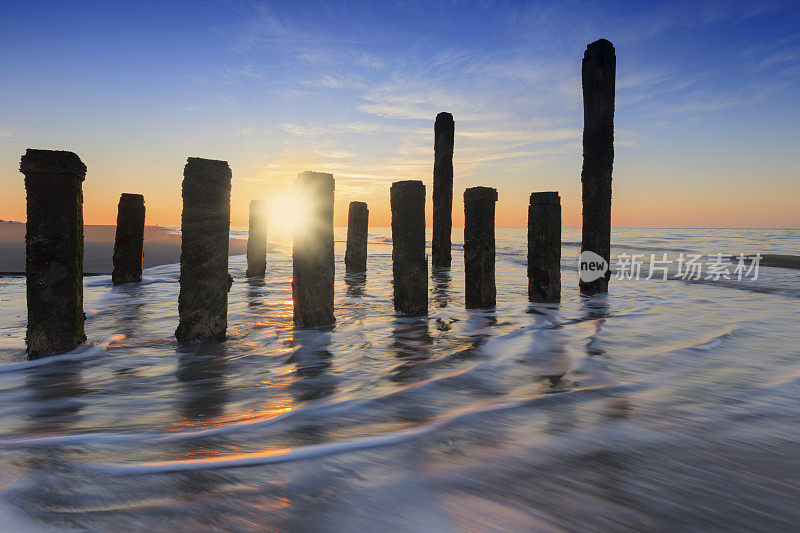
479	247
205	225
355	257
129	239
598	72
312	253
409	262
53	250
544	247
257	240
444	133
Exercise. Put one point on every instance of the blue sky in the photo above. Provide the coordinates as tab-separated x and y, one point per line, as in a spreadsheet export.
706	118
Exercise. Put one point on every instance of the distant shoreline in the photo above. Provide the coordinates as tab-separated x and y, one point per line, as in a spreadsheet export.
161	247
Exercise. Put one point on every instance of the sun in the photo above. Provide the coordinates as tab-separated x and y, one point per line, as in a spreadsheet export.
288	211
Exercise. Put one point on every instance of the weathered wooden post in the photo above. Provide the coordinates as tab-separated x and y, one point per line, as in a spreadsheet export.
355	257
312	253
54	250
598	72
129	240
444	133
205	225
480	289
409	262
257	240
544	247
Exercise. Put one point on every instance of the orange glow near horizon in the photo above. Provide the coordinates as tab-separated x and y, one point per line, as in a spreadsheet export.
635	205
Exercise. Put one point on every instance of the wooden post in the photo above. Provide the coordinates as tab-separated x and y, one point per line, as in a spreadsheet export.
480	289
409	262
599	68
544	247
205	226
129	240
54	250
312	254
355	257
444	133
257	240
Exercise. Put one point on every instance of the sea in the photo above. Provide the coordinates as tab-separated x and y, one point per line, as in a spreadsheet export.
666	404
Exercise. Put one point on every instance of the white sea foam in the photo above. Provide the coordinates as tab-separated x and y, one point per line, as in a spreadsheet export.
77	354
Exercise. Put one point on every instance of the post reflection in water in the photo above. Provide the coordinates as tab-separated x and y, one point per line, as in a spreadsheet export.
53	407
595	308
356	283
548	352
201	371
203	397
55	402
133	317
312	361
441	286
256	292
479	325
411	343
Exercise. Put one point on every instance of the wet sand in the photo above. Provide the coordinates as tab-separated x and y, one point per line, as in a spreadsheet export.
161	247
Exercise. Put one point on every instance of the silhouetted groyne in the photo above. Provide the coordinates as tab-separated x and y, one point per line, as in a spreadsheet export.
355	256
479	283
257	240
444	135
129	239
54	250
205	225
598	72
409	262
312	253
544	247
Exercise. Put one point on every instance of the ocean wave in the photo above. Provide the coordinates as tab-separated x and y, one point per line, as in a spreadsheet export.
285	455
713	342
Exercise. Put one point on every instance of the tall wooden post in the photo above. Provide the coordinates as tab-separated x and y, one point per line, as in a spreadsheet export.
312	253
409	262
54	250
129	240
444	134
479	247
544	247
598	72
205	227
355	257
257	240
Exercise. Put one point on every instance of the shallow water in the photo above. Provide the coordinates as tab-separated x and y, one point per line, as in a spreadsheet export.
663	404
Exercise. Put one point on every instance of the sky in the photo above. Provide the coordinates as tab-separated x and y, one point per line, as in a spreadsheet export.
706	125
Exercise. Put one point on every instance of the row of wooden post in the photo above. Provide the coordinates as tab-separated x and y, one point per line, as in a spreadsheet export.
54	233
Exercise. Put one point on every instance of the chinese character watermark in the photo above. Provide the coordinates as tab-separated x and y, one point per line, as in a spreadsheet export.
688	267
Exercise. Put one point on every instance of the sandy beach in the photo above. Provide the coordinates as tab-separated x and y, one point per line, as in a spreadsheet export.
161	247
